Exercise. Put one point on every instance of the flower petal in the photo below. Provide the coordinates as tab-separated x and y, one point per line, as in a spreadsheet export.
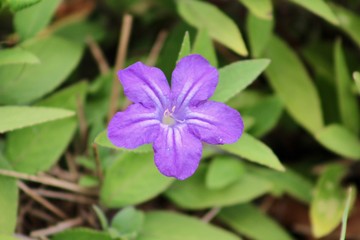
215	123
177	152
144	84
136	126
193	80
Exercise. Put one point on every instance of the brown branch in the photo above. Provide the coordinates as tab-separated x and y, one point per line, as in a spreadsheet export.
156	49
70	161
98	55
57	228
99	172
82	121
42	215
211	214
119	63
50	181
41	200
65	196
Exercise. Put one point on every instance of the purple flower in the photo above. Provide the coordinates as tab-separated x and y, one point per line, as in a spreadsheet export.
175	120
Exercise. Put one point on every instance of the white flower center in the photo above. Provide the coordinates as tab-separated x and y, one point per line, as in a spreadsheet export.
168	117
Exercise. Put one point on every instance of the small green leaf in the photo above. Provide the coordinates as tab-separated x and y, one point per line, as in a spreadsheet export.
185	46
132	179
204	46
193	193
20	117
356	76
81	234
290	80
254	150
88	181
350	197
8	201
340	140
160	225
260	8
17	56
37	148
220	27
348	104
128	222
349	22
223	171
236	77
17	5
329	201
101	216
320	8
248	220
32	20
103	140
260	32
58	58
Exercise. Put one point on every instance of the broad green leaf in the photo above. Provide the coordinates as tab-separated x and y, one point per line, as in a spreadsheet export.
291	82
14	117
17	56
248	220
193	193
185	46
81	234
204	46
58	59
288	181
8	201
223	171
320	8
266	115
329	201
349	22
348	104
8	237
132	179
340	140
37	148
260	32
260	8
356	76
236	77
17	5
32	20
161	225
220	27
254	150
103	140
128	222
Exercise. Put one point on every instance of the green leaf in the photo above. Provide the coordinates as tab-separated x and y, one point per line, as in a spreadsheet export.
260	8
288	77
356	76
81	234
8	201
132	179
204	46
8	237
320	8
17	5
17	56
58	59
236	77
223	171
259	32
340	140
220	27
349	22
350	197
254	150
193	193
248	220
185	46
161	225
103	140
37	148
101	216
128	222
288	181
266	115
348	104
32	20
20	117
329	201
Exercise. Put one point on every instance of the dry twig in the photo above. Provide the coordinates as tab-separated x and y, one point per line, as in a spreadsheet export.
57	228
65	196
98	55
211	214
156	49
99	172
